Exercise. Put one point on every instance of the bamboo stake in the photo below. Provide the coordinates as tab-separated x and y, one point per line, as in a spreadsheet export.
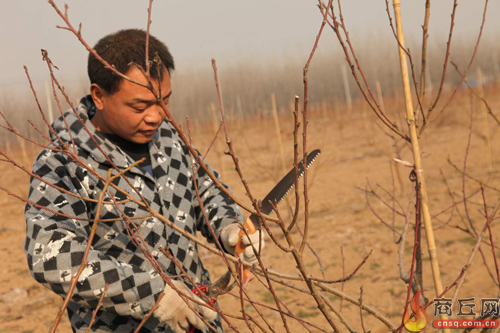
410	116
496	67
278	133
49	102
218	145
428	84
231	115
347	90
280	142
367	125
338	116
380	96
22	145
239	109
486	129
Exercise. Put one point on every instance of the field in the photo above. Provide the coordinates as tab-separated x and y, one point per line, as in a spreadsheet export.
355	152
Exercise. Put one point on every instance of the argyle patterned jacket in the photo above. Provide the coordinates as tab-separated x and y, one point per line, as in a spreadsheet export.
55	243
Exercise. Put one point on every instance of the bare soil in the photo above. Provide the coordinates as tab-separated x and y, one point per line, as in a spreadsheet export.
355	151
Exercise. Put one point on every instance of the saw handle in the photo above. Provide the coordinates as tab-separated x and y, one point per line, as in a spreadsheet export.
249	226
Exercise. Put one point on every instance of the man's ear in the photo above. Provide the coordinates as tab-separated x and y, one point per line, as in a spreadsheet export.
98	95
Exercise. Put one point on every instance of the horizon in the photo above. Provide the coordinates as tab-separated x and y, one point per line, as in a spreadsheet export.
205	35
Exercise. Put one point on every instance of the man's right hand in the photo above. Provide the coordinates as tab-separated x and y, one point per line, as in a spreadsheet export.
173	311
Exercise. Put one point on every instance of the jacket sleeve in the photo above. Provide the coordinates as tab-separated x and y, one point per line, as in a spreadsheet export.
219	208
55	245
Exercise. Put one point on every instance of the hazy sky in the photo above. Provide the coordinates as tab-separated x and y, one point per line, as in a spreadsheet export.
198	30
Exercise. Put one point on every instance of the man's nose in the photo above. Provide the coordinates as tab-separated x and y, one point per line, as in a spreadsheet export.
154	115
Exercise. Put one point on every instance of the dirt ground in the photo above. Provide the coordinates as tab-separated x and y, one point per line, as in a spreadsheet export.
355	151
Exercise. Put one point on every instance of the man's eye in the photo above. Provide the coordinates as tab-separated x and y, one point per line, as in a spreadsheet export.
139	108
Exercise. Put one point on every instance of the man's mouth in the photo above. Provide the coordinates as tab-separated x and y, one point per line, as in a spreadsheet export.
149	132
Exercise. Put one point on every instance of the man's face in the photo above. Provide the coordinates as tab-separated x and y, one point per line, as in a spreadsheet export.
132	112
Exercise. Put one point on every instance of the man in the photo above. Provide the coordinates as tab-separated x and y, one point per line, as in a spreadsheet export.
118	124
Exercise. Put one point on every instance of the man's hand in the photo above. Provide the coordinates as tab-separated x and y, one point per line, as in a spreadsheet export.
173	311
230	237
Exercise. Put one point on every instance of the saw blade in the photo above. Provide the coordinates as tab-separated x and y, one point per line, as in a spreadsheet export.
285	185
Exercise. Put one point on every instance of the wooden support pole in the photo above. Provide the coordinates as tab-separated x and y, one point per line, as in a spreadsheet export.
410	118
486	129
338	116
280	144
22	145
218	145
278	133
50	111
496	66
231	116
380	96
347	90
239	109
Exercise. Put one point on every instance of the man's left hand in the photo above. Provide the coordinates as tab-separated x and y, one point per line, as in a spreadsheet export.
229	237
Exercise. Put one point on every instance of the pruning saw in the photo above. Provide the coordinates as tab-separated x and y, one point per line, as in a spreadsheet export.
275	196
251	225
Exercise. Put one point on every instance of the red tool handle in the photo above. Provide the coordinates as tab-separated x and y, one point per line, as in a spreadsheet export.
197	292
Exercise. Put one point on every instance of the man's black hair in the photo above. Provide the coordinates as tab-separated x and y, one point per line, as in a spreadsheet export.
123	48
